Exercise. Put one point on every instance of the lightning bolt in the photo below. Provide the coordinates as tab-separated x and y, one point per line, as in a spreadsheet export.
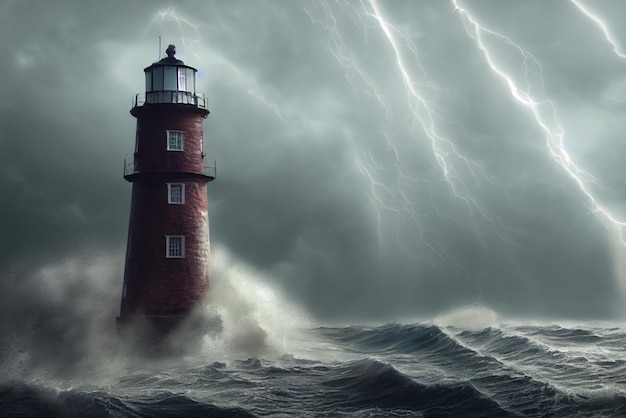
603	27
424	113
394	186
544	111
185	31
387	163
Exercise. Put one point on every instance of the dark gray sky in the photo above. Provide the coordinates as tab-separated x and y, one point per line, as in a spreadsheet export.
376	160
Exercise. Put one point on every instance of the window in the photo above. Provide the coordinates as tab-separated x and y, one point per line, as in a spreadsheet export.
191	81
148	81
175	193
175	140
169	78
182	86
157	79
175	246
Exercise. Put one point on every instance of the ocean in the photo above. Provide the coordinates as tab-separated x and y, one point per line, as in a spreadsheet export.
420	369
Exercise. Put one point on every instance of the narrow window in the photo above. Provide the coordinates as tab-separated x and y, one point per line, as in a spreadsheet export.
175	246
175	193
175	140
182	86
157	79
169	82
148	81
191	81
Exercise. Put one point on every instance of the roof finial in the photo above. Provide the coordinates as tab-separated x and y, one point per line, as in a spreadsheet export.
170	59
171	50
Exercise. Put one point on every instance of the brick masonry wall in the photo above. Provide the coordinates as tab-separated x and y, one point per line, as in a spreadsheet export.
151	151
155	284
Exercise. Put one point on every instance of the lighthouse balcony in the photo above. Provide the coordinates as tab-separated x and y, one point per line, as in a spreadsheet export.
132	170
170	97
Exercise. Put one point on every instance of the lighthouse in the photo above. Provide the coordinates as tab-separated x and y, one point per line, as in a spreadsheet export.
166	274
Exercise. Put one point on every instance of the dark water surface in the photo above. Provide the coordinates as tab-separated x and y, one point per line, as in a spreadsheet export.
401	370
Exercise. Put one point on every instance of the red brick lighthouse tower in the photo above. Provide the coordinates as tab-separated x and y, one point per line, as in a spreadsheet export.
167	258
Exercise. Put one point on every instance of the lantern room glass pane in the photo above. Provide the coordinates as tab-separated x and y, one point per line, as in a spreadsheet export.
169	78
182	85
148	81
191	80
157	78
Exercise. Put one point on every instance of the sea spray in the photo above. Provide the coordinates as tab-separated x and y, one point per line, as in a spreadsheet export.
257	319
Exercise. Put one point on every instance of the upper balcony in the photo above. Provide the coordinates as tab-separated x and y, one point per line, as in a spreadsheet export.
171	97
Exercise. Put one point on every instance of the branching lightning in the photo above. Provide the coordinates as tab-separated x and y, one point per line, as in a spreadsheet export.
546	119
441	147
186	31
404	200
394	200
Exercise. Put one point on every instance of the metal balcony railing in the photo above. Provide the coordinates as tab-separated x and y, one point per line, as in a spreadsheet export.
171	96
130	168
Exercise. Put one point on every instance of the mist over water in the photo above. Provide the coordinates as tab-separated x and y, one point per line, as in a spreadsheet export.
62	319
59	323
268	356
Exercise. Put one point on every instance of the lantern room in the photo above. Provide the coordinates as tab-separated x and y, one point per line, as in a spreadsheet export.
171	81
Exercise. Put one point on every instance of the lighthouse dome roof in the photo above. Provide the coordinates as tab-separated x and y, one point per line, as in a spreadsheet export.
171	59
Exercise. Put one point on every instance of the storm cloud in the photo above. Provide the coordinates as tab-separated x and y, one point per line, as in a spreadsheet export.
371	161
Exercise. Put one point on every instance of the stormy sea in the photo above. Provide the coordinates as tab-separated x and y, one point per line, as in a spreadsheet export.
451	367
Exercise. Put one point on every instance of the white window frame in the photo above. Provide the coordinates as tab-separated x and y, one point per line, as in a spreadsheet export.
168	240
182	194
174	146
